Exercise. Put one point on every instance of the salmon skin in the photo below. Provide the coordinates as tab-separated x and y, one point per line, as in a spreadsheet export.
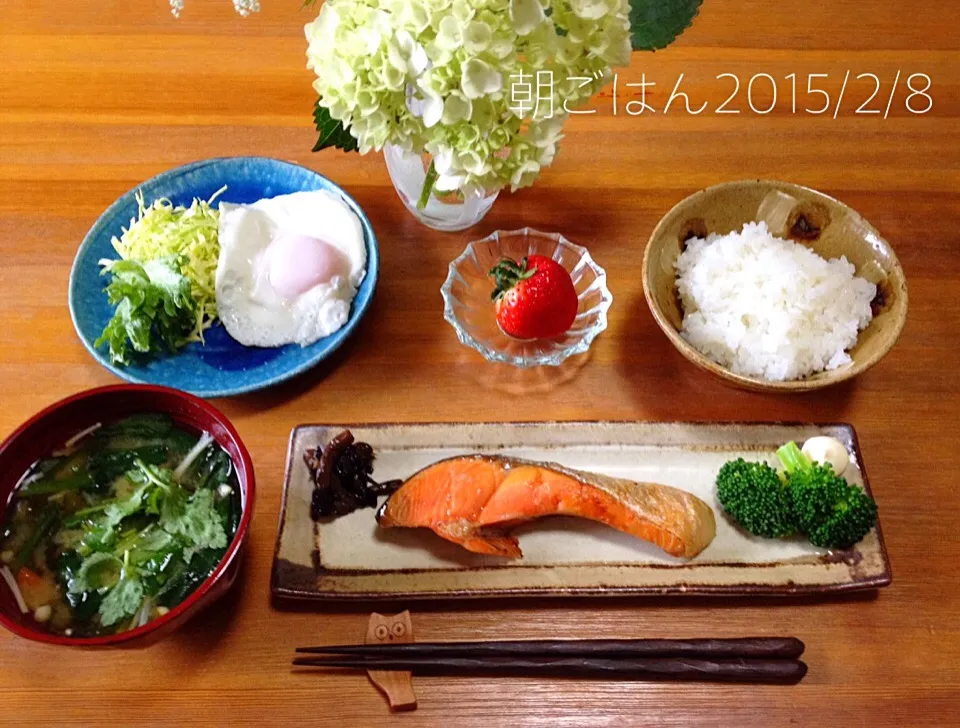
474	500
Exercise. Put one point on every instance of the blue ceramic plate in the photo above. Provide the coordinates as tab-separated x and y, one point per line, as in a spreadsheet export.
221	367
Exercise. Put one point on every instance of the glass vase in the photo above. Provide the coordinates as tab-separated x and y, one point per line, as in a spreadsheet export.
447	211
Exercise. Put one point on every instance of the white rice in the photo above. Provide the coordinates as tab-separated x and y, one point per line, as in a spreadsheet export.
766	307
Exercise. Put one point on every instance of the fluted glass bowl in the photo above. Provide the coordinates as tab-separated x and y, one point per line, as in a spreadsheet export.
468	308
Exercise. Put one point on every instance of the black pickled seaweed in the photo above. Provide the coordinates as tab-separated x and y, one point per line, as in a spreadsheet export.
342	477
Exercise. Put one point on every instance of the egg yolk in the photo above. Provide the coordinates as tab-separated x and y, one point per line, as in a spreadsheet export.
296	263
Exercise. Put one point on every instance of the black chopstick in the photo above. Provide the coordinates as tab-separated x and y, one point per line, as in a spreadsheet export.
745	647
658	668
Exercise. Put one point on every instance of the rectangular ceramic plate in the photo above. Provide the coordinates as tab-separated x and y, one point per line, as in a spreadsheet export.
351	558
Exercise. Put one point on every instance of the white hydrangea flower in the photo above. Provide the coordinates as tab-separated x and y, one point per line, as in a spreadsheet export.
547	132
406	54
462	10
449	34
592	9
456	107
434	76
432	106
525	174
448	180
477	36
526	15
243	7
479	78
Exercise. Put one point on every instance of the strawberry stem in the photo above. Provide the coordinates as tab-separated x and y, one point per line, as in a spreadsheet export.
507	273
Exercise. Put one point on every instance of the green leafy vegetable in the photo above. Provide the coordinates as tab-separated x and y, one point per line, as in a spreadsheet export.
190	234
99	570
332	131
84	604
197	523
146	536
655	24
58	475
184	578
47	524
123	601
211	471
51	485
149	541
139	428
188	523
108	465
155	310
164	286
172	509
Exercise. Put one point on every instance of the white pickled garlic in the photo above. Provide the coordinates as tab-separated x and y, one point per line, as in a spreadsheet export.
827	451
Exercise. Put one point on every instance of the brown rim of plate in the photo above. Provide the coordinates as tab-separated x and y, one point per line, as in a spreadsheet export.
755	384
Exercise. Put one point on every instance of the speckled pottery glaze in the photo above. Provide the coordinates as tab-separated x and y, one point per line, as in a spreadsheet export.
825	225
350	558
220	367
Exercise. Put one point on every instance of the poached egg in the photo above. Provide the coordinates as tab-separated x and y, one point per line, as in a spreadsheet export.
289	268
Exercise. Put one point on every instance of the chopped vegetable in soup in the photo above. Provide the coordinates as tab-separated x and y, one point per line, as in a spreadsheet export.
119	526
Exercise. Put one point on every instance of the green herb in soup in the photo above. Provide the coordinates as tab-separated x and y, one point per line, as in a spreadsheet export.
119	526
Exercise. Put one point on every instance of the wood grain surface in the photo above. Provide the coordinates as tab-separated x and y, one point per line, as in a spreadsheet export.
97	95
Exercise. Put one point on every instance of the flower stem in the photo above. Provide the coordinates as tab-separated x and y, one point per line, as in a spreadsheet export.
428	183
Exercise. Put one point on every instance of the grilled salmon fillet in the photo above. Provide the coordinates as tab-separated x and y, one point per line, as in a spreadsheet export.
474	500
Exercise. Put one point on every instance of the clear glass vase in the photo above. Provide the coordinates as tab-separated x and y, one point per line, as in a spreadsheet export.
447	211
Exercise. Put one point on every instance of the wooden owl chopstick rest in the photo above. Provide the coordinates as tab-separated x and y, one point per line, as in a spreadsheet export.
396	685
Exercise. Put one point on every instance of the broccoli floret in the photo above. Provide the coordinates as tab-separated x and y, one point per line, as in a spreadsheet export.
833	513
854	514
754	495
811	488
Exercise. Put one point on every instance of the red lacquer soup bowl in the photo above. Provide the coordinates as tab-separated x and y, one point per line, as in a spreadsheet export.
48	431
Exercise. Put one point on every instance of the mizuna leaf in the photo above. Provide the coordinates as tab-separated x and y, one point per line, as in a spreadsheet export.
655	24
332	132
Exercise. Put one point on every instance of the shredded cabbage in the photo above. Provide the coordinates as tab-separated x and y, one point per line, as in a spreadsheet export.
189	233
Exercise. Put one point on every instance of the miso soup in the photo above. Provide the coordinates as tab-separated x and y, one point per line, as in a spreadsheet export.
118	526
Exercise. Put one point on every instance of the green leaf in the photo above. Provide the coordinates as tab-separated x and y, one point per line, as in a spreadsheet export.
100	521
185	578
155	308
122	602
332	132
172	509
97	571
145	426
143	544
655	24
119	509
51	485
48	521
108	465
196	522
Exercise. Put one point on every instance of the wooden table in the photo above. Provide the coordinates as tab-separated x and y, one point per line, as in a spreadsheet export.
96	96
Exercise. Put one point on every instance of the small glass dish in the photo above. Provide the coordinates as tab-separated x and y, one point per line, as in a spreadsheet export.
468	308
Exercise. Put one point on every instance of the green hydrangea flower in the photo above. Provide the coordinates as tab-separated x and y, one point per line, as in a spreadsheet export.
441	76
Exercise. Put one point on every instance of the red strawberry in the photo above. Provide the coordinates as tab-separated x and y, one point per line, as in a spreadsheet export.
535	298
